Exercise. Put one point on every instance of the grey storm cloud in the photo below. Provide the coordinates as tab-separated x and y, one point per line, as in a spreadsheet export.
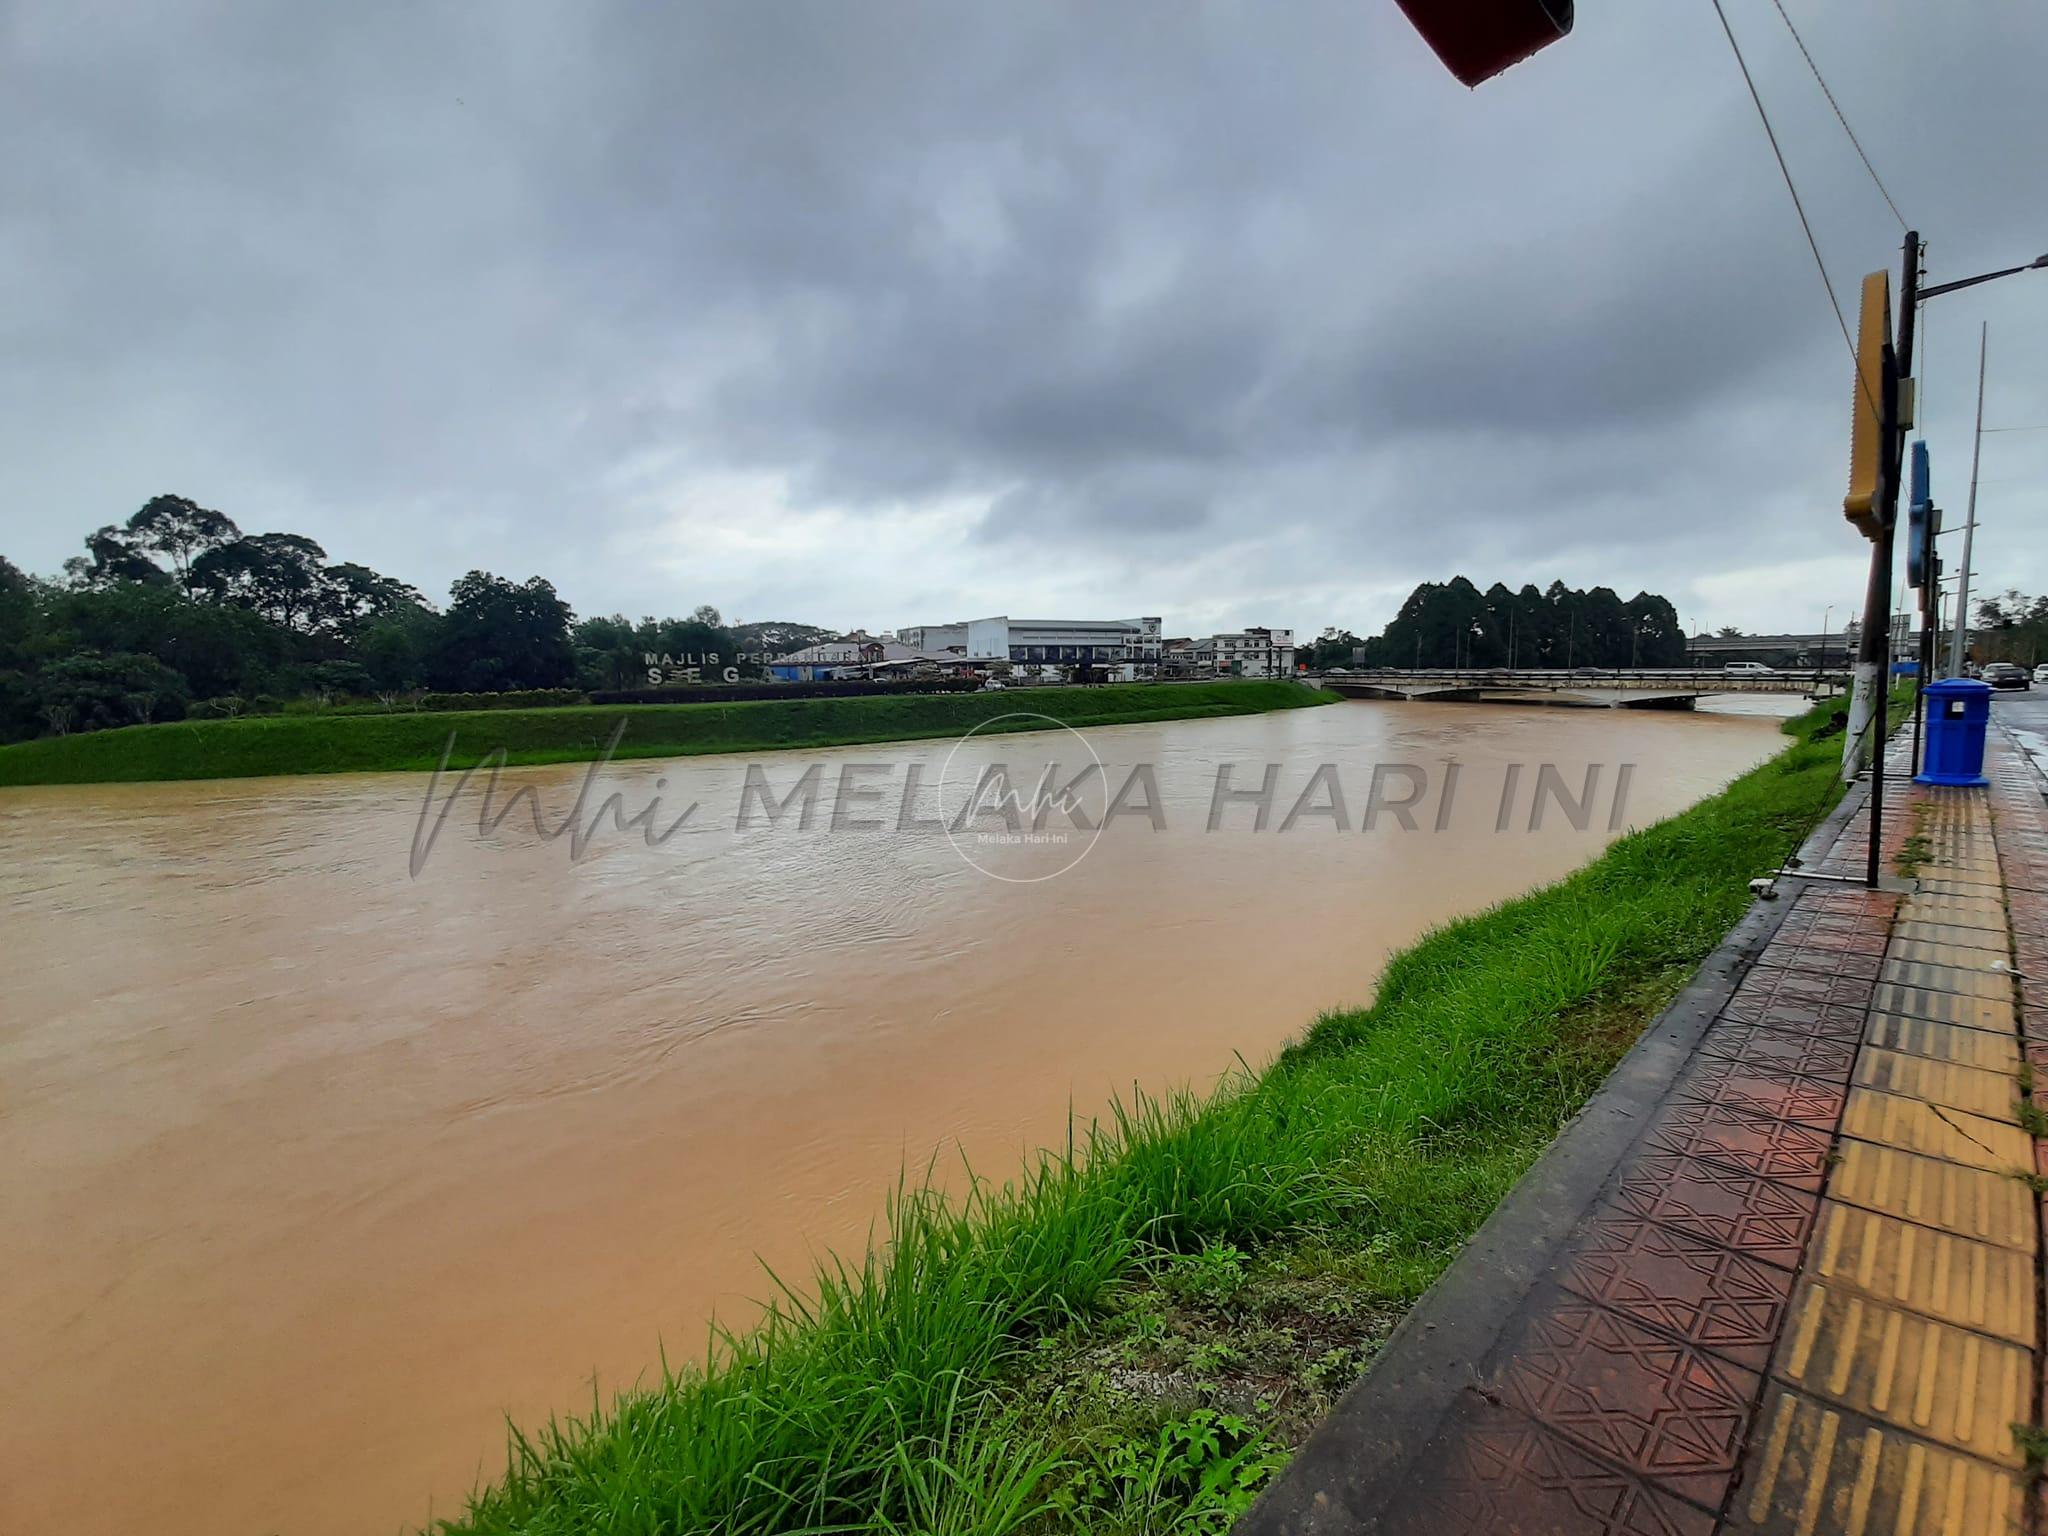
870	312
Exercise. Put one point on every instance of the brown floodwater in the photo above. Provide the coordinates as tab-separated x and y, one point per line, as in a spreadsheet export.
317	1168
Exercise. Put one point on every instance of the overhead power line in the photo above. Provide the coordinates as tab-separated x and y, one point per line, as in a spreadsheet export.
1821	81
1790	186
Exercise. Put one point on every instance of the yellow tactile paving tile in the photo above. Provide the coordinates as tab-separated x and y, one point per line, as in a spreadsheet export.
1945	1007
1961	1389
1973	1285
1816	1471
1989	1050
1954	911
1946	1083
1953	973
1992	941
1970	1202
1911	1125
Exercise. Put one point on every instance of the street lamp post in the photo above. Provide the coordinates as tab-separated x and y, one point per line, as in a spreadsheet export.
1873	658
1955	644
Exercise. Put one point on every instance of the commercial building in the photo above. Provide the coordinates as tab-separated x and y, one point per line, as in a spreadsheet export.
1246	653
1067	642
935	637
860	656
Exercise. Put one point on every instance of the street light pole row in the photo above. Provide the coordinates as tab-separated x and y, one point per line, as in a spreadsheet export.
1894	372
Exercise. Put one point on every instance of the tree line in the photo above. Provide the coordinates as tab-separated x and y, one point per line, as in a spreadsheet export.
1454	624
178	612
2011	627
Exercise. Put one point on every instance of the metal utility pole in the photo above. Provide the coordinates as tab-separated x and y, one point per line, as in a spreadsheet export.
1955	644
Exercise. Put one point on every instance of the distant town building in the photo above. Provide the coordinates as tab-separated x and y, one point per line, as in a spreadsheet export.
1132	643
1246	653
935	637
860	656
1177	657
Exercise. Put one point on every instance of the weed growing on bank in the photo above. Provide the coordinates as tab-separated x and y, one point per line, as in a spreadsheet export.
1132	1335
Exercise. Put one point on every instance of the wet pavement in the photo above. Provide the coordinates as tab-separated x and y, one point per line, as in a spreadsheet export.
1807	1299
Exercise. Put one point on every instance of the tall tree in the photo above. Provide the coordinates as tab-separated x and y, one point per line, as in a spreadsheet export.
502	634
278	575
113	554
181	531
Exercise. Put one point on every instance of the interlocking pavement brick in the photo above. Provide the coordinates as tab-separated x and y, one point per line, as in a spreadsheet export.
1493	1472
1970	1202
1814	1468
1784	1051
1667	1411
1783	1150
1772	1095
1724	1302
1945	1007
1845	934
1832	1021
1945	1083
1819	960
1912	1125
1989	1049
1733	1207
1775	985
1972	981
1975	1285
1946	1384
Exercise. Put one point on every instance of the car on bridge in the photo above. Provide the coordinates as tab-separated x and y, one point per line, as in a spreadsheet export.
1748	669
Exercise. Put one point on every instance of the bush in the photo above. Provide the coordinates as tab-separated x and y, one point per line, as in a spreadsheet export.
97	693
521	698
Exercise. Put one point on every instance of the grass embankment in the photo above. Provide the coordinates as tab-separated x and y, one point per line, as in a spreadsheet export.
398	742
1132	1336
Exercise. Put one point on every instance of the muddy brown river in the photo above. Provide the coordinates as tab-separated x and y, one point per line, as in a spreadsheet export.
316	1168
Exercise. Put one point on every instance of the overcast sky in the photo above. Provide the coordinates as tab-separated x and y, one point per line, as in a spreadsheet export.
872	313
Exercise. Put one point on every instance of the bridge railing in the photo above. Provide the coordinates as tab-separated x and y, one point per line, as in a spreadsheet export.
1702	679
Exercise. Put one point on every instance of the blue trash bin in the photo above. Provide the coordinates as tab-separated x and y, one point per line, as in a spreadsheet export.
1958	714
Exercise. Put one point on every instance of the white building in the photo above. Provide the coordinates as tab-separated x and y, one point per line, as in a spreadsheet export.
1246	653
935	637
1067	642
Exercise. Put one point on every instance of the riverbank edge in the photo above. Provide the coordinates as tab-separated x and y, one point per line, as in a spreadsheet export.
412	742
937	1334
1340	1478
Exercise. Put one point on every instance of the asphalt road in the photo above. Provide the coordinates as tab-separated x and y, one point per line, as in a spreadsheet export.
2026	714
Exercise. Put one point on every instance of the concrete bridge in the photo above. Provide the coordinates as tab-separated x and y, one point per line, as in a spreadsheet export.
1584	688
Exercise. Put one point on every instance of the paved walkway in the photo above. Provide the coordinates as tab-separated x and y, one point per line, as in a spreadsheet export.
1808	1299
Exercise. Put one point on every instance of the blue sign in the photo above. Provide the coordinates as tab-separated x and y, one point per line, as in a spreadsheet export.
1923	522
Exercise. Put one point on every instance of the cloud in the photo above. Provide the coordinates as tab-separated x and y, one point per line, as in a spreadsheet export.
893	312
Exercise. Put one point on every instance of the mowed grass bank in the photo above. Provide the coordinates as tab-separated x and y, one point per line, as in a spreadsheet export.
408	741
1131	1336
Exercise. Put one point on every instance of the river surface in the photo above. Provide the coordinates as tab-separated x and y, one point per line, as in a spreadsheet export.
321	1152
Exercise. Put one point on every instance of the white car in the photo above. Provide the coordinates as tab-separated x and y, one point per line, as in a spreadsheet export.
2041	673
1748	669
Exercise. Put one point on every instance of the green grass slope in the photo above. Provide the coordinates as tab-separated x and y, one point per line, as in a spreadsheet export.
291	744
